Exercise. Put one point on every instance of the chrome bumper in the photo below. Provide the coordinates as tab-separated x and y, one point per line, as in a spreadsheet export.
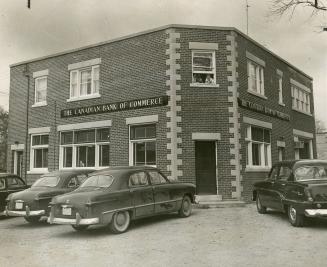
315	212
24	213
77	221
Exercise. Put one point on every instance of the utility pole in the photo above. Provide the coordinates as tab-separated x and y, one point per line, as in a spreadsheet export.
29	3
247	17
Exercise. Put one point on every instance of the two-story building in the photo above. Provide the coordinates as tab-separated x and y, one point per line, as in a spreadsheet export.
206	105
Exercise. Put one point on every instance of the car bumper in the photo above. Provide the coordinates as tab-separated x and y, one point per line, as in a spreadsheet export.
315	212
24	213
73	221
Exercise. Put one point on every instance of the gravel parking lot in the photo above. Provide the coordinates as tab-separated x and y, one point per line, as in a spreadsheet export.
210	237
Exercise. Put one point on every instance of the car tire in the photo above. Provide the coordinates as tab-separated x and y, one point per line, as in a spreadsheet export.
80	228
294	217
33	219
186	207
261	209
120	222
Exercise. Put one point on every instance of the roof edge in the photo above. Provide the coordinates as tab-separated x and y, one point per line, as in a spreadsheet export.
160	29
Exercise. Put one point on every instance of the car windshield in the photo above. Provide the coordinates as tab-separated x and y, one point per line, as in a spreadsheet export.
100	181
311	172
47	181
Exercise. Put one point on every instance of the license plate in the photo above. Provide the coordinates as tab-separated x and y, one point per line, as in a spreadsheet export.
19	205
66	211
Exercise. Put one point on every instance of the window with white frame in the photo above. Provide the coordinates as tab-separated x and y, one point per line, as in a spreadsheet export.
280	88
258	147
39	152
143	144
281	153
203	67
40	90
85	148
255	78
84	82
300	99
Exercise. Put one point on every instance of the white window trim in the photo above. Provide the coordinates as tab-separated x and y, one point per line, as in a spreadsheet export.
262	78
32	169
214	72
40	103
280	89
306	92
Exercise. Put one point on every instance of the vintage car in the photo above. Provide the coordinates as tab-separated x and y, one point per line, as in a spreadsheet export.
9	183
297	187
33	203
114	196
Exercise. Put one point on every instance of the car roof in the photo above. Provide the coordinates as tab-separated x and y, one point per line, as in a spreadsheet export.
124	169
301	162
67	173
5	174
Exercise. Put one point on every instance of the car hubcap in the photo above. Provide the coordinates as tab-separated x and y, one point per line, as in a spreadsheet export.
292	214
121	219
186	206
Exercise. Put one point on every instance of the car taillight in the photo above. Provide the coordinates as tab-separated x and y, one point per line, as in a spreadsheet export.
308	194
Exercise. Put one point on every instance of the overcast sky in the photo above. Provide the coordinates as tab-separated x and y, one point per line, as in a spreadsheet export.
52	26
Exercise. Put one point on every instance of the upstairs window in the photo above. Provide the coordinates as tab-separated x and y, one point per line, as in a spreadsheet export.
41	90
280	89
300	99
203	67
255	78
84	82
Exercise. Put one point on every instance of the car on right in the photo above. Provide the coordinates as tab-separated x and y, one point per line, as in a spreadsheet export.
296	187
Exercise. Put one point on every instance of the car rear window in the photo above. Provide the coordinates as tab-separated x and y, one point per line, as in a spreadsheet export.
101	181
316	172
46	181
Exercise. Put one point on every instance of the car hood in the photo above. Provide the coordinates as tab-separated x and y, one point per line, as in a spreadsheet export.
37	192
318	189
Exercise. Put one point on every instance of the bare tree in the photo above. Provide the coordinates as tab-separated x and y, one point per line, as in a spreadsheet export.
281	7
320	126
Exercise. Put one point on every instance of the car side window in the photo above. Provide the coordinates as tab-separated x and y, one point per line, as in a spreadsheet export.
14	183
2	184
284	173
274	173
81	178
138	179
157	178
73	182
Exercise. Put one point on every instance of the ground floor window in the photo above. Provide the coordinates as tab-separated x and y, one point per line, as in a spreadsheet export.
143	144
281	153
258	147
39	152
303	148
85	148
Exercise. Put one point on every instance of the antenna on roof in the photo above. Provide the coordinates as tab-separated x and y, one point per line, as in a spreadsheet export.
247	17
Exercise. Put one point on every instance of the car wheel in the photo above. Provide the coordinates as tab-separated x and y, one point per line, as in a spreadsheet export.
80	227
294	217
186	208
120	222
261	209
32	219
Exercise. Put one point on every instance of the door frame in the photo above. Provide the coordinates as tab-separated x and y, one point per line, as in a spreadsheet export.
15	149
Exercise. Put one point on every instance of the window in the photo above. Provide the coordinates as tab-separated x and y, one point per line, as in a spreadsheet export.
273	173
84	148
14	182
39	152
41	90
284	173
84	82
280	88
2	184
138	179
255	78
203	67
300	99
281	153
143	144
157	178
258	147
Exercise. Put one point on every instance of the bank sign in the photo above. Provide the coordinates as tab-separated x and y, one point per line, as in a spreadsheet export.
117	106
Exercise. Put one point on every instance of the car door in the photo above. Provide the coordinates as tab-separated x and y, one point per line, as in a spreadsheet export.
3	193
163	197
142	194
281	186
265	188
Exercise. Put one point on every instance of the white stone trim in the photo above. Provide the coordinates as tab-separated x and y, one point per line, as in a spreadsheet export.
279	72
300	85
256	122
142	119
204	46
84	125
40	73
302	134
83	64
39	130
281	143
17	147
206	136
255	59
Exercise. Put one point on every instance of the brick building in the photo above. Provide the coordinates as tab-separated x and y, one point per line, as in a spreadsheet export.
207	105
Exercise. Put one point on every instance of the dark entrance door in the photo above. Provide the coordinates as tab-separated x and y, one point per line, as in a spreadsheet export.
19	163
205	167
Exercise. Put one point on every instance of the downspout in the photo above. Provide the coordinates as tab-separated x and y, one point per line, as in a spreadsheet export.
27	75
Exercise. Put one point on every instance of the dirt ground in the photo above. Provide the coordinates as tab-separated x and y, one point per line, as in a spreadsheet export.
210	237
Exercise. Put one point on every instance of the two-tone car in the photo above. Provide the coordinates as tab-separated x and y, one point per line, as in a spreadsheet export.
33	203
9	183
296	187
114	196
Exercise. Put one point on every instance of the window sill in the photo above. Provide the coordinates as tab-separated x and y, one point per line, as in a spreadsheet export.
204	85
39	104
38	171
79	98
257	169
257	94
83	168
303	112
281	104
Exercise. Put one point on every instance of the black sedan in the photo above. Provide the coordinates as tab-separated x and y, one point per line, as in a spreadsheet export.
9	183
297	187
33	203
117	195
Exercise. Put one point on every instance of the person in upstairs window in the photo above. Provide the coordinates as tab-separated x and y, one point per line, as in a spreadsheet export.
209	79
